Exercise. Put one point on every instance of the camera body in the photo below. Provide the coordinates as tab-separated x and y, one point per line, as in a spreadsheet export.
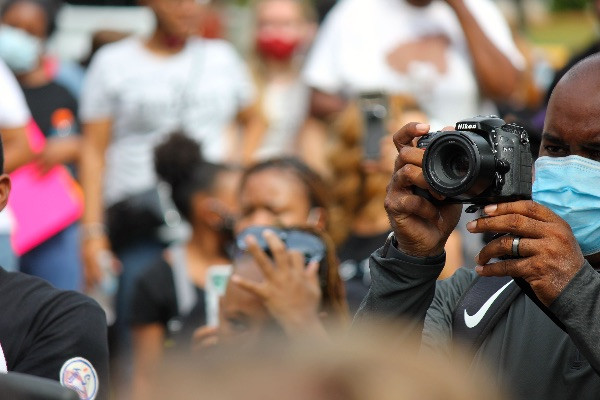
483	161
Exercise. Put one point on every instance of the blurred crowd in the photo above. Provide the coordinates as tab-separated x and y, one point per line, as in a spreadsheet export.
208	196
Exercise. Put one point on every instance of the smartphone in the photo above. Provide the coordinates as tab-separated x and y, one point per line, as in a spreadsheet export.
374	109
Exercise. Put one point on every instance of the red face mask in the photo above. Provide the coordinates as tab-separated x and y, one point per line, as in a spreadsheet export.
174	41
276	48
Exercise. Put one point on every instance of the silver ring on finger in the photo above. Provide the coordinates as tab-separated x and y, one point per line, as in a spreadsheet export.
515	246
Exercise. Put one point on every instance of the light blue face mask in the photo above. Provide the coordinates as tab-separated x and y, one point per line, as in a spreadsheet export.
18	49
570	186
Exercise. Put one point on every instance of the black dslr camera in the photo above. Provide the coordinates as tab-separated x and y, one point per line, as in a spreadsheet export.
484	161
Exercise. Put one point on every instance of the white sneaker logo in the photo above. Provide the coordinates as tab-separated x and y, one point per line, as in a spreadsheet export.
473	320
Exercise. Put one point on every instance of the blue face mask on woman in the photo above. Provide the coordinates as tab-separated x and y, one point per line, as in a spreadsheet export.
570	186
19	50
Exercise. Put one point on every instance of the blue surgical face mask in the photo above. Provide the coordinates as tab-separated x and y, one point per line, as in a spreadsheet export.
19	50
570	186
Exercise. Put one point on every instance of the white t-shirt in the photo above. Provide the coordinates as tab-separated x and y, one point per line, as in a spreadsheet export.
14	113
285	106
350	53
198	91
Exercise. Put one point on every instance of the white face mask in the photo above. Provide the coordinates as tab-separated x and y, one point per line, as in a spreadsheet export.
569	187
19	50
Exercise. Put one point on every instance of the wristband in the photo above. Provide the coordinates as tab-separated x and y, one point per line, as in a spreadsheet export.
390	250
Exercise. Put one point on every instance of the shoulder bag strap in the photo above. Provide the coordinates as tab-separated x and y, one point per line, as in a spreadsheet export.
480	308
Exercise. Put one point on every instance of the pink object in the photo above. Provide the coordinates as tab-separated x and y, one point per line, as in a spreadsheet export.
42	205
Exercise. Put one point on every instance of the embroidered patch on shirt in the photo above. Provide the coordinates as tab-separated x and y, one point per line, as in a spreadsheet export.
79	375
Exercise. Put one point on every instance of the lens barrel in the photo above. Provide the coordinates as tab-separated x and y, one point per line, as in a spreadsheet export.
459	164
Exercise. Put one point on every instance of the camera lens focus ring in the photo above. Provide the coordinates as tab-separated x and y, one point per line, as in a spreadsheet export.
459	164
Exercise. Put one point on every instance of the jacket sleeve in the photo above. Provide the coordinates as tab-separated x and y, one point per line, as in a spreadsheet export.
402	288
438	333
578	308
406	288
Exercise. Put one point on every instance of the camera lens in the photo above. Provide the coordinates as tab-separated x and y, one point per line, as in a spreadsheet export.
455	163
459	164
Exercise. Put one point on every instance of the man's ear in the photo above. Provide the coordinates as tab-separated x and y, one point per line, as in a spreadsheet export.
4	190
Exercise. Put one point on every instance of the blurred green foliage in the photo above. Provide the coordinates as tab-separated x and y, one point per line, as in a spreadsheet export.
571	29
561	5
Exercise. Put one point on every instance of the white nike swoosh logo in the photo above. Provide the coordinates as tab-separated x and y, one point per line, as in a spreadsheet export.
3	368
473	320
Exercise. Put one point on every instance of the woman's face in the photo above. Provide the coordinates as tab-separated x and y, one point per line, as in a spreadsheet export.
283	19
177	18
28	17
273	197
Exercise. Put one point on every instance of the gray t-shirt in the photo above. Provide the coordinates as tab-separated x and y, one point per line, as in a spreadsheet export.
198	90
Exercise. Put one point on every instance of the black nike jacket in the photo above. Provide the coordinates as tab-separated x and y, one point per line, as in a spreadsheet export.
534	358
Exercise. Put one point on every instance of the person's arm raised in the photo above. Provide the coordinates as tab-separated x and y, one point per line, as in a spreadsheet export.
421	228
404	270
496	74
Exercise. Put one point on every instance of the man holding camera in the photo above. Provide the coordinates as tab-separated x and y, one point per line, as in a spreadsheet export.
551	243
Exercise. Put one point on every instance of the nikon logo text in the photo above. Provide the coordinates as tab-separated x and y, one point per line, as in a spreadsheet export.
467	126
